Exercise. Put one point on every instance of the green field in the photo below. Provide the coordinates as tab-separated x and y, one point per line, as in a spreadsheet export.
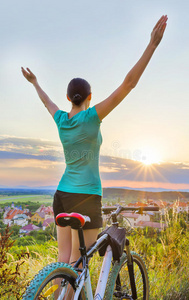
42	199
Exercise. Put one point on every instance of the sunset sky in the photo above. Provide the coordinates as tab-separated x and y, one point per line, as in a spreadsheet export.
99	41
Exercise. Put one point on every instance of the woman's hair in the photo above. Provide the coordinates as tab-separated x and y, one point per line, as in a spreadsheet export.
78	90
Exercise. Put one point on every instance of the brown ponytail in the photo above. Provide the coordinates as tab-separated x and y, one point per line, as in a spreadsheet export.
78	90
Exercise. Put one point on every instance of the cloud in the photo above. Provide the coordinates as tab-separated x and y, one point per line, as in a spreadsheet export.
24	160
24	148
14	155
127	169
30	172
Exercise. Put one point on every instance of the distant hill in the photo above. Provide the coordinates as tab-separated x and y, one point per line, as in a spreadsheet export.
26	191
127	195
135	195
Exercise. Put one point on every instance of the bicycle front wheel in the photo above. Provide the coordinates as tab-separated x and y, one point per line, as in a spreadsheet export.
119	286
55	281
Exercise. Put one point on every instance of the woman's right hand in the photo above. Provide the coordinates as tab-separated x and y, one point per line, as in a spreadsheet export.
158	31
29	75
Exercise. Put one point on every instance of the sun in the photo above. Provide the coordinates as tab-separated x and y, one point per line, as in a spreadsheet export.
150	156
149	161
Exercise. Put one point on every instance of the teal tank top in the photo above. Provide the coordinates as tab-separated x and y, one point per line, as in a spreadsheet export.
81	139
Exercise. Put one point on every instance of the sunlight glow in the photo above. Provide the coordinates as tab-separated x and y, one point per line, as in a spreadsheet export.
150	156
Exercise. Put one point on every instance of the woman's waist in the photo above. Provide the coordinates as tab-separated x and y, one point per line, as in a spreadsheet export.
86	176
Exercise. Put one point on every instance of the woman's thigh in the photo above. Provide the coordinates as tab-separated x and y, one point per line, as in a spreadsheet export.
90	236
64	238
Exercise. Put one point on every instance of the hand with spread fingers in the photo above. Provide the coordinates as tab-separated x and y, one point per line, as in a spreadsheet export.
29	75
158	31
49	104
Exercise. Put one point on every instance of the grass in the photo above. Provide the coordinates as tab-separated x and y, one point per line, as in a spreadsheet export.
167	261
165	253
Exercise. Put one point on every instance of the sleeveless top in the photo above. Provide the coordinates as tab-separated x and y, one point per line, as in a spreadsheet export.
81	139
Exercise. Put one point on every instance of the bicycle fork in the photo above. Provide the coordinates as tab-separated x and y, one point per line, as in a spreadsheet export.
131	270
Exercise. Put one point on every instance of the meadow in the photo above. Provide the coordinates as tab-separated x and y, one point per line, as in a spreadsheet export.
17	199
165	253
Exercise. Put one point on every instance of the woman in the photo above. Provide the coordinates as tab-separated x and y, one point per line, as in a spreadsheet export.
80	189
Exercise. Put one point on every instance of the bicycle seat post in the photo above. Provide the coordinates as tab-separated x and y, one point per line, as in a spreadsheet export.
82	247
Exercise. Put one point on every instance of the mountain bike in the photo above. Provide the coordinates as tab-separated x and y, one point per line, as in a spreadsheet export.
123	272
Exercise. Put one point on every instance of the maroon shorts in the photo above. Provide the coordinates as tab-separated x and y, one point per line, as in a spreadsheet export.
85	204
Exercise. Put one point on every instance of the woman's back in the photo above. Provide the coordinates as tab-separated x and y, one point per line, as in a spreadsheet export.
81	139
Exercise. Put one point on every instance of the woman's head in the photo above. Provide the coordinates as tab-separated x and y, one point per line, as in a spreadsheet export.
78	90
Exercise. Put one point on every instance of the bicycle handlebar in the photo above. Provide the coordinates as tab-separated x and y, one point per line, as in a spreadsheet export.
117	209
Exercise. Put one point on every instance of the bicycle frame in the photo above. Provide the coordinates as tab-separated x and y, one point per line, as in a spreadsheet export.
84	277
111	282
103	278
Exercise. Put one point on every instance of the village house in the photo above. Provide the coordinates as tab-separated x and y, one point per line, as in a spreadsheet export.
135	218
47	210
163	205
29	214
20	219
6	211
179	206
9	214
38	217
28	228
160	203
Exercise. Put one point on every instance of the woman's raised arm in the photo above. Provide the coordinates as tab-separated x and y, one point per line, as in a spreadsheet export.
51	106
106	106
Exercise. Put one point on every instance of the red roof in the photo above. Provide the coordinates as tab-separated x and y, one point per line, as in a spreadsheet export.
29	214
44	209
13	212
179	204
160	203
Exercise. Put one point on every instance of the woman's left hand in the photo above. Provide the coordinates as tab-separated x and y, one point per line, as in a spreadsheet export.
158	31
29	75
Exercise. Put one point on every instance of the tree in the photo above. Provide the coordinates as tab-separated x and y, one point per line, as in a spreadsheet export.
2	227
33	233
15	230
